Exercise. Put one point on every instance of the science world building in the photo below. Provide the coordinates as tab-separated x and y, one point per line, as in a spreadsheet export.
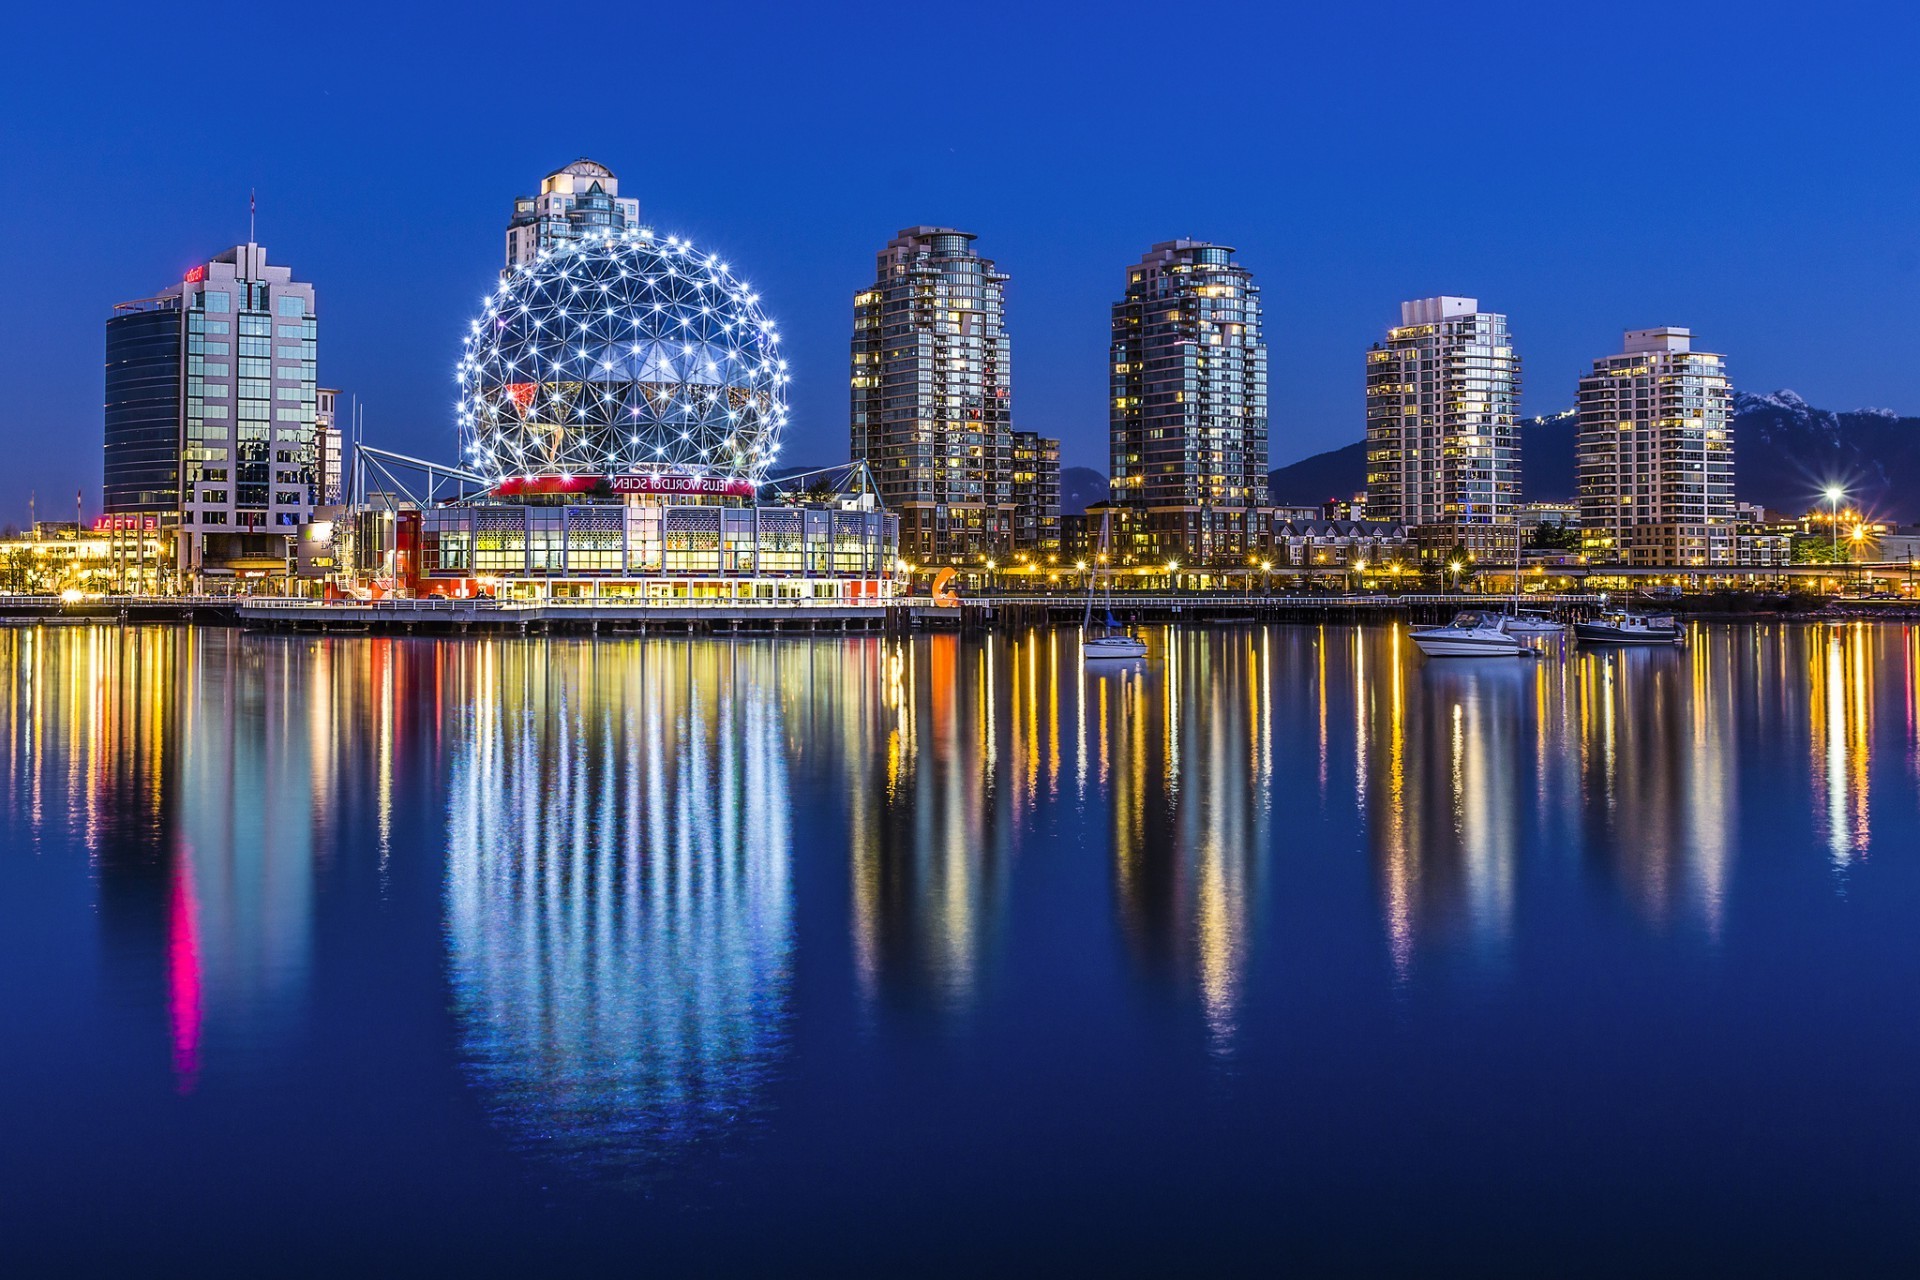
622	398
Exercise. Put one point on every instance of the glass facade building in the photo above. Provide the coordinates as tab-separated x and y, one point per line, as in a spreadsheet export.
1443	447
1189	382
1655	454
659	550
932	396
237	412
142	464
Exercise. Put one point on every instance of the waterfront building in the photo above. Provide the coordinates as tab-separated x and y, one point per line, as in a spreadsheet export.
1443	448
1271	540
328	459
1655	454
932	396
1188	406
1036	495
125	554
211	401
626	460
574	201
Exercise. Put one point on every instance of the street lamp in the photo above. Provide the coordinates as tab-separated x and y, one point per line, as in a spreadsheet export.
1454	567
1360	575
1834	494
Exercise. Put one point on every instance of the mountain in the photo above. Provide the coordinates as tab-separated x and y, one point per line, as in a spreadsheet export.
1080	487
1784	453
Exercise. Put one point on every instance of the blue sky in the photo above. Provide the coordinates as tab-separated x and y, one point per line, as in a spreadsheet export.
1744	169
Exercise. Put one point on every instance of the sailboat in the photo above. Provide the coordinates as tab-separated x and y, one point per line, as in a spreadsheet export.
1527	623
1113	641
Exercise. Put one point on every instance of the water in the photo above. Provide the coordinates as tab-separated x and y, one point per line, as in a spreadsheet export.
940	955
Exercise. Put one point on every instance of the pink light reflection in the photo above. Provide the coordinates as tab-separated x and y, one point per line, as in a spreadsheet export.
183	975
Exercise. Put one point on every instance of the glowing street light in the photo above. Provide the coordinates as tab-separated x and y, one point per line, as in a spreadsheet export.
1834	494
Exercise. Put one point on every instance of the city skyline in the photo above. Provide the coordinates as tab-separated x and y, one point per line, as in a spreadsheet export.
1299	204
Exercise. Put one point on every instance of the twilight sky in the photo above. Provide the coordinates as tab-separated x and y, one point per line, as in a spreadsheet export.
1750	170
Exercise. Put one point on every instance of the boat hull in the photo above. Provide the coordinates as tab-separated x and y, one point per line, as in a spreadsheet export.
1438	646
1600	633
1094	650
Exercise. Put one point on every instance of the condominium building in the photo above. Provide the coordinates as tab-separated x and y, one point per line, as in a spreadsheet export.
581	199
1443	450
210	410
932	401
1655	454
1188	411
1036	494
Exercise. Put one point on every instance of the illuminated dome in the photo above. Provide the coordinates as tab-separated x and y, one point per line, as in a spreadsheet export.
622	354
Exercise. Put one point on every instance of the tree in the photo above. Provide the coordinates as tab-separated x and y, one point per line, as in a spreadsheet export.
1554	537
1819	548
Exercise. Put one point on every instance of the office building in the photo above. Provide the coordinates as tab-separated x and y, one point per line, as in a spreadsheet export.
932	399
1188	409
576	201
1655	454
1036	495
210	410
1443	448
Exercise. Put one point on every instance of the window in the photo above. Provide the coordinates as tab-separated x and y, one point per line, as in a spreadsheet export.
215	300
292	307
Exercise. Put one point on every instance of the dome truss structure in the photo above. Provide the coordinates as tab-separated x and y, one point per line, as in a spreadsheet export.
622	354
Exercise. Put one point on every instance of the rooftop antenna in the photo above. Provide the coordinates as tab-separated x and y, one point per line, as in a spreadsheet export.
253	205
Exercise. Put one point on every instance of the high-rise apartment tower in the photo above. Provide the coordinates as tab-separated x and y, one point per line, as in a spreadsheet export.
1655	454
1189	377
581	199
932	401
1443	450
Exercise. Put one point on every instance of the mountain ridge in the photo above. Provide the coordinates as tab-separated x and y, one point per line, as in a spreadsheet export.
1785	453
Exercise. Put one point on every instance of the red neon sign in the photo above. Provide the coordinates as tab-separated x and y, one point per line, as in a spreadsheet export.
195	275
713	486
694	486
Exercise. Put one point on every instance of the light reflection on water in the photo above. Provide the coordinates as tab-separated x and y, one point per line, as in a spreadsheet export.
619	922
619	847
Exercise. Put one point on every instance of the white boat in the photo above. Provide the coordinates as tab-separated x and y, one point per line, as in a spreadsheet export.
1475	633
1111	641
1528	623
1622	626
1111	646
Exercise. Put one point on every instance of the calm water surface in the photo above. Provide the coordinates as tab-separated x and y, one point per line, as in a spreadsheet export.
940	955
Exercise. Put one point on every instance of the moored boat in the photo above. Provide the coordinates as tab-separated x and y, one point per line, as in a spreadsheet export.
1622	626
1527	623
1475	633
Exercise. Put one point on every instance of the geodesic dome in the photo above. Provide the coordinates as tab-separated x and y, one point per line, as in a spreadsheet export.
621	354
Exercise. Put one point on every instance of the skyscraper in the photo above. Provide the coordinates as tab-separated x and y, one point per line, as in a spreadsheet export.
574	201
1655	454
932	403
1443	450
210	410
1188	412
